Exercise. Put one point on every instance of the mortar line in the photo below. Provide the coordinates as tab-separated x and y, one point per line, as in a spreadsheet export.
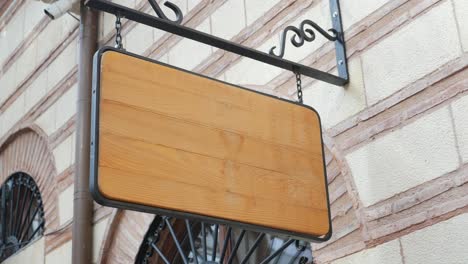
402	253
454	128
457	25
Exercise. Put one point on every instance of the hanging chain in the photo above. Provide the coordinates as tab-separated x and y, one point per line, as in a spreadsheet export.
299	87
118	34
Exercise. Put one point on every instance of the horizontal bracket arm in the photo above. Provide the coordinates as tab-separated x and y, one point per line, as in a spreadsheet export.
186	32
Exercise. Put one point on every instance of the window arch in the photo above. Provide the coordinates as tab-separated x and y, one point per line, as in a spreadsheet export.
21	213
172	240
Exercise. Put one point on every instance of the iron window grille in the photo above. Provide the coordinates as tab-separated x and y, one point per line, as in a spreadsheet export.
21	214
172	240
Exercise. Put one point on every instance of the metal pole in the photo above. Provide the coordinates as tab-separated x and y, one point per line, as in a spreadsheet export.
83	203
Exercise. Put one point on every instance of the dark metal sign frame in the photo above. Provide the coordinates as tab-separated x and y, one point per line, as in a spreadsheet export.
94	162
305	32
302	34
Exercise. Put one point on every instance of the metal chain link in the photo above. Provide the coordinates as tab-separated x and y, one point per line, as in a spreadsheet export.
299	87
118	34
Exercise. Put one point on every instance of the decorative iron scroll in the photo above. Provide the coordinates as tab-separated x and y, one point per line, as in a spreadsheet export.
302	35
173	7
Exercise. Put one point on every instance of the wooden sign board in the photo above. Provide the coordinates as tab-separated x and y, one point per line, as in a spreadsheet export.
172	142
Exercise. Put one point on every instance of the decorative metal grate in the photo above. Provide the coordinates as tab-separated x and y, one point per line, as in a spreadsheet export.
21	214
172	240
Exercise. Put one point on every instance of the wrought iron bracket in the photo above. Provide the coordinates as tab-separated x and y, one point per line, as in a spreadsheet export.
174	27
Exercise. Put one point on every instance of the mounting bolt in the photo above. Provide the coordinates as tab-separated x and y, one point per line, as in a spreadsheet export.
335	14
340	62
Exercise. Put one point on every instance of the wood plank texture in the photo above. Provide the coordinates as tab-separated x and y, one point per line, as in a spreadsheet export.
174	140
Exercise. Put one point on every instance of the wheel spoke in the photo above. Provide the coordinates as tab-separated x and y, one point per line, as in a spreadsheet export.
225	245
253	248
161	255
234	250
278	251
192	243
26	217
16	210
203	231
176	241
215	243
20	218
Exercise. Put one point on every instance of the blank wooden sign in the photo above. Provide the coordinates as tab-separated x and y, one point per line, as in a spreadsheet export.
172	142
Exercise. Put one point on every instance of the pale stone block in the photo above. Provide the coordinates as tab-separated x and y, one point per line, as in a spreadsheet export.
229	19
221	77
46	121
35	12
461	12
256	8
405	158
460	115
127	3
53	35
98	237
157	34
444	242
3	47
205	26
63	154
8	83
107	25
248	71
36	91
192	3
62	65
354	11
65	203
187	54
26	63
410	53
66	106
14	113
73	147
14	32
60	255
336	103
388	253
48	39
139	39
164	58
34	252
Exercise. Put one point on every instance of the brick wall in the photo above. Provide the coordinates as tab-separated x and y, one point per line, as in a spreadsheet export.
37	108
396	135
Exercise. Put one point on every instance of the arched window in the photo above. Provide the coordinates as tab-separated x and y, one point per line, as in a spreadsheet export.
21	214
171	240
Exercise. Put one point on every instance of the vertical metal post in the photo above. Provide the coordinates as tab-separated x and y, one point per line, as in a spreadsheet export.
83	203
340	48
